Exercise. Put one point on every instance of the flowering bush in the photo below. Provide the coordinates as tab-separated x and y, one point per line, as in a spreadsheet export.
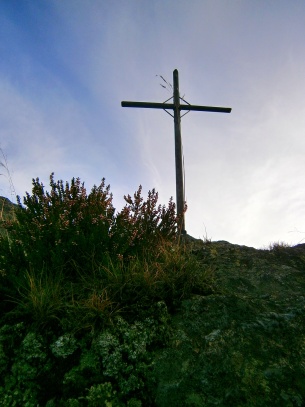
67	245
143	225
67	226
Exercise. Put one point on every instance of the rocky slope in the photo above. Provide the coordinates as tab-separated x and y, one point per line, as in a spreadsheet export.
244	344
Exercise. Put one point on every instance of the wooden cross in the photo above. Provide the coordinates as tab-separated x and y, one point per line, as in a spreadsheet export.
177	107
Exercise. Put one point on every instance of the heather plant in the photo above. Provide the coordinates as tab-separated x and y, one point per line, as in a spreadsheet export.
67	231
67	226
142	224
57	226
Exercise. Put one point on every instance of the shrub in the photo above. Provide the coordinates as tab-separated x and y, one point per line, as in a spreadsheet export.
67	232
57	226
67	226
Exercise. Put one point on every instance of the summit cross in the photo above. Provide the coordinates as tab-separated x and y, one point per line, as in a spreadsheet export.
177	107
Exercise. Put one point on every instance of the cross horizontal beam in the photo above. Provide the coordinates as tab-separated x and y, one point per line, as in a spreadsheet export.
181	107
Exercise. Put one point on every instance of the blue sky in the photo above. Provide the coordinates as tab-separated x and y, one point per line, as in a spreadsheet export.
66	65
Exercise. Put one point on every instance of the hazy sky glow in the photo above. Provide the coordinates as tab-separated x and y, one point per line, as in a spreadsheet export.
66	65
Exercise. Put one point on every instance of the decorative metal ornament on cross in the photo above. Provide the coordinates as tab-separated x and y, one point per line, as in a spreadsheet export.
177	107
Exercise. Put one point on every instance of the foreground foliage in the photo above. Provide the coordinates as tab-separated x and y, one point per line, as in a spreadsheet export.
85	293
113	312
112	366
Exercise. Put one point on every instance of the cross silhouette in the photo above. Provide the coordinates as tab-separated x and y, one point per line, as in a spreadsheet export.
177	107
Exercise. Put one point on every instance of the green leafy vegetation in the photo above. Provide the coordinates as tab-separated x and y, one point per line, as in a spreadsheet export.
106	308
86	293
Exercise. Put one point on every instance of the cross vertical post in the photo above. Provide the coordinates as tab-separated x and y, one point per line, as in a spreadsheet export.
180	198
177	107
